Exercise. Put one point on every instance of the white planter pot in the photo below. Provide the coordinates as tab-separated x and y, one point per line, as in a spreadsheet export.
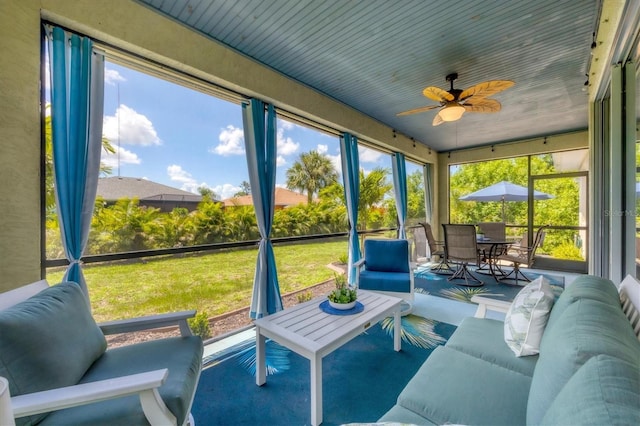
342	306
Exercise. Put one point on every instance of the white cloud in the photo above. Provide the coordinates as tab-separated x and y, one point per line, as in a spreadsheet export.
367	155
280	161
130	127
285	125
112	77
188	183
322	149
231	142
286	145
226	190
121	155
336	161
178	174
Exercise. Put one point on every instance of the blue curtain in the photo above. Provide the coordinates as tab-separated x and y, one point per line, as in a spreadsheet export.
260	144
77	91
351	178
400	191
428	192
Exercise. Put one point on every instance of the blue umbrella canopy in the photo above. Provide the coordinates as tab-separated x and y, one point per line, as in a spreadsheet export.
504	191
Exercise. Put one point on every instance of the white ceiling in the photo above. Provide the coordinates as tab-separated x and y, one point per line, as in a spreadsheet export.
378	55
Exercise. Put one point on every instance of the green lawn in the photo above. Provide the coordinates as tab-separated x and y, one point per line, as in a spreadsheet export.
213	283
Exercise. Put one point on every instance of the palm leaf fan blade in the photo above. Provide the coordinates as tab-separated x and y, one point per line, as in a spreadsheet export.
437	94
487	88
482	105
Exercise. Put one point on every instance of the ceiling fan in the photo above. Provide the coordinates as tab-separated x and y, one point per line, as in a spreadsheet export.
455	102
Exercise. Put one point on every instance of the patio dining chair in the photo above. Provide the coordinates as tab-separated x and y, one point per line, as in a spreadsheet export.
460	247
418	238
437	249
493	230
518	255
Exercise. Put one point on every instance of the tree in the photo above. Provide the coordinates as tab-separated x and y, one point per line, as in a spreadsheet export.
373	188
310	173
50	197
561	210
245	189
207	192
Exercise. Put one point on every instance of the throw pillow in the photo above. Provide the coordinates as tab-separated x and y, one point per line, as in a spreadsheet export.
527	316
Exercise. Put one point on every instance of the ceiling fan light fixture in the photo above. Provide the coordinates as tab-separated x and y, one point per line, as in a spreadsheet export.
452	112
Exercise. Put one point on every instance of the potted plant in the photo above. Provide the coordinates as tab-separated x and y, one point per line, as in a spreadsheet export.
342	297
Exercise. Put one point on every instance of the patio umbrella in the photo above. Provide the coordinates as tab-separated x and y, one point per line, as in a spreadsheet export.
504	191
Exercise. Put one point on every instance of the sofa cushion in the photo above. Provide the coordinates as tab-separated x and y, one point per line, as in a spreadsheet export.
48	341
525	321
585	329
181	355
584	287
401	415
604	391
454	387
484	338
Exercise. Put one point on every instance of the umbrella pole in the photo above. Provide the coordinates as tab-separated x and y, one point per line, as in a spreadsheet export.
504	217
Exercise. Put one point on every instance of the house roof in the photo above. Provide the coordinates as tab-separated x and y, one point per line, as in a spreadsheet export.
116	187
283	198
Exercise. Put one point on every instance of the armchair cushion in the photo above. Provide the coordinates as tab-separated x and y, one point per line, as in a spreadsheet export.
385	281
181	355
44	344
386	255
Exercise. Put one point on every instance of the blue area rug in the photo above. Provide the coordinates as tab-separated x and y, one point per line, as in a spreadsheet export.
438	285
361	380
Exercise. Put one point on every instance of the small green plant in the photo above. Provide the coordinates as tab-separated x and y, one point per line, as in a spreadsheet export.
305	296
343	259
342	293
200	325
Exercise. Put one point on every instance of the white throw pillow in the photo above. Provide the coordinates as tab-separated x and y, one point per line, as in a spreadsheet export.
527	316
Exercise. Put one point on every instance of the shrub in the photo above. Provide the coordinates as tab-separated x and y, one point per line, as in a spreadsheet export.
200	325
567	251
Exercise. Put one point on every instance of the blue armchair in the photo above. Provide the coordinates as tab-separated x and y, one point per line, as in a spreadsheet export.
385	268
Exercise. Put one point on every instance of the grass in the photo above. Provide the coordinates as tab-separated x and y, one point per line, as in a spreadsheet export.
214	283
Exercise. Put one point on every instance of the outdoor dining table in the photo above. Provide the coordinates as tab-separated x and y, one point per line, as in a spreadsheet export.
490	249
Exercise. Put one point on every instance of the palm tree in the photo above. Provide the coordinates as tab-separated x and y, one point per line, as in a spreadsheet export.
373	188
50	198
310	173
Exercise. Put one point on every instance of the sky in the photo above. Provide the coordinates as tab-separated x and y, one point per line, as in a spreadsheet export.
186	139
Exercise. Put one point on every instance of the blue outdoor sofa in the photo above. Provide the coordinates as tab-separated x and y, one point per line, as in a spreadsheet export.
587	370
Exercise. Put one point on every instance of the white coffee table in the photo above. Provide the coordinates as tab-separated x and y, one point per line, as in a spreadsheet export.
312	333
